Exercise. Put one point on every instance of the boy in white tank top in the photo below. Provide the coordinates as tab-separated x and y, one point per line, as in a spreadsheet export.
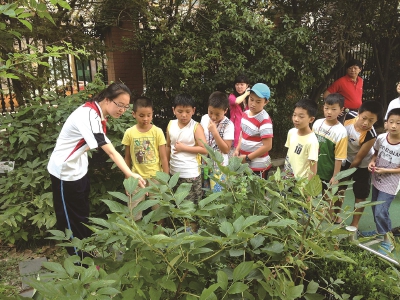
184	143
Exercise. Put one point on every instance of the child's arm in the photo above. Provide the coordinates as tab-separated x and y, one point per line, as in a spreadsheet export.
168	147
198	148
127	158
338	166
362	153
120	162
162	149
266	146
237	149
223	145
313	169
241	98
371	165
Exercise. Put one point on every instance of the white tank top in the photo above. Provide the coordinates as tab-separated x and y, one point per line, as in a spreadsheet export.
183	162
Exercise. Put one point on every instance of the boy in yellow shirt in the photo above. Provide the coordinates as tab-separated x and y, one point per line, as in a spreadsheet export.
145	149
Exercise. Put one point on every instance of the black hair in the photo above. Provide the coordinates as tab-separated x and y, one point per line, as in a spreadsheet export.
218	100
142	101
184	100
241	78
393	112
373	107
334	98
111	92
310	106
354	62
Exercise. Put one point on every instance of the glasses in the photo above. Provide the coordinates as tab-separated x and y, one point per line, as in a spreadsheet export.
121	105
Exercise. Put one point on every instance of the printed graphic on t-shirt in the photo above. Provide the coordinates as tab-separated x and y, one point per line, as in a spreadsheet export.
144	150
298	148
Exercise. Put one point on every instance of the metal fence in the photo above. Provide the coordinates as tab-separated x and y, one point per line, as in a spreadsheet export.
67	75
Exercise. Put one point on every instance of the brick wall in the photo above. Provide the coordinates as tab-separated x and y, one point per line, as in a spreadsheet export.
124	65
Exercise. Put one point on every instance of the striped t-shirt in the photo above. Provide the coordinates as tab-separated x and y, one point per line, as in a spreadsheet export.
254	130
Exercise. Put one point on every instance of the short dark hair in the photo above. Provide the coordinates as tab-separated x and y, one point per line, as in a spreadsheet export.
373	107
184	100
218	100
334	98
310	106
354	62
111	92
142	101
393	112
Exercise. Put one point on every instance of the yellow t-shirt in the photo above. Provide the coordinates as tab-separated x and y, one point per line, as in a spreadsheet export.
144	148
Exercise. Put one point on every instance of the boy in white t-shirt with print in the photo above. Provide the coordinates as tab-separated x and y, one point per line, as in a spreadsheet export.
385	169
302	143
219	132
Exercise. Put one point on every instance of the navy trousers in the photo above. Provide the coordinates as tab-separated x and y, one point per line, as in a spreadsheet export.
76	210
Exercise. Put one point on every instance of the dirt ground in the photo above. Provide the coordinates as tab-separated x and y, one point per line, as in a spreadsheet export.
10	257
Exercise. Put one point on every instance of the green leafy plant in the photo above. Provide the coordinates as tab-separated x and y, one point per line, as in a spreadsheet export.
256	241
28	137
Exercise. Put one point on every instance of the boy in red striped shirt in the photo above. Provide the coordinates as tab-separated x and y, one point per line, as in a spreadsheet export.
256	136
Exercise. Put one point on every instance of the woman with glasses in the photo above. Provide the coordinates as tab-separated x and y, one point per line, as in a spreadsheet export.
395	103
84	129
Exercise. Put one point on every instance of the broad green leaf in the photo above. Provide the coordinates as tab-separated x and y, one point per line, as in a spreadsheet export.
257	241
120	196
209	199
201	250
226	228
167	284
108	291
222	279
131	184
115	207
242	270
282	223
312	287
314	186
274	247
236	252
208	294
238	224
164	178
55	267
172	263
345	173
252	220
26	23
294	292
237	287
155	294
69	267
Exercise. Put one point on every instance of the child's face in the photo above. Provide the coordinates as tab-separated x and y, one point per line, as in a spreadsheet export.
398	87
143	116
331	112
241	87
365	120
216	114
301	119
393	125
256	104
183	113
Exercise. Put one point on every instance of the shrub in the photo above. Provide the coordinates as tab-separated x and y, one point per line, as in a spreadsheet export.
28	137
255	242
